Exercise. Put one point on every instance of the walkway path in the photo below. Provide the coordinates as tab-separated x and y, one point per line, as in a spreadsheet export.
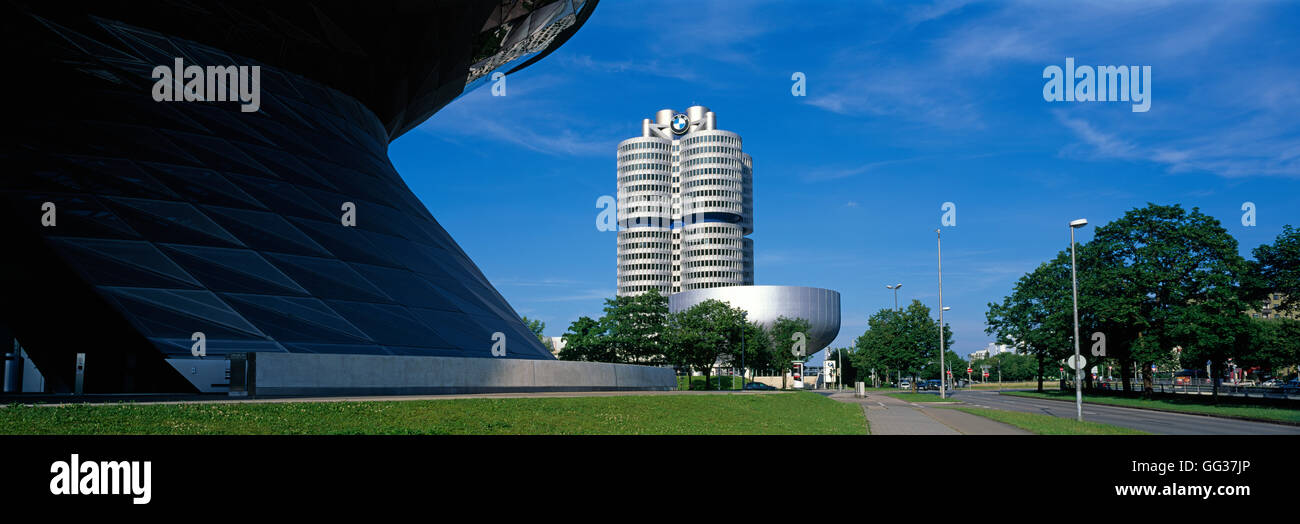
890	416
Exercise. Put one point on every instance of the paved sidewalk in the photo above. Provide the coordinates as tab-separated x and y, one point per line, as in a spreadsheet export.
890	416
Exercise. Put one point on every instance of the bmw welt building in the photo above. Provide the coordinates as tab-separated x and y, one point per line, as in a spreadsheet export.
166	232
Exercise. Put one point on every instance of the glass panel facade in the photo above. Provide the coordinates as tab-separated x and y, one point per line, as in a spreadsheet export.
182	217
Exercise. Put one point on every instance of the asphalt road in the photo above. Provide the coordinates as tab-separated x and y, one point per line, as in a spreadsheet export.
1157	422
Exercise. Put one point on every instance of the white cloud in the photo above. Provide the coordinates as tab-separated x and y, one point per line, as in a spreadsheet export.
1254	147
519	119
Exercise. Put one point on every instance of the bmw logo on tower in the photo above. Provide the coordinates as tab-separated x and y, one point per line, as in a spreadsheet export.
680	124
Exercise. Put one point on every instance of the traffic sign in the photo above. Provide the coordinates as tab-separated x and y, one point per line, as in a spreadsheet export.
986	374
1076	365
968	370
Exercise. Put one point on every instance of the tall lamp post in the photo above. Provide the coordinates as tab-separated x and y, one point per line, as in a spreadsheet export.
743	325
943	393
839	368
942	350
895	288
1074	288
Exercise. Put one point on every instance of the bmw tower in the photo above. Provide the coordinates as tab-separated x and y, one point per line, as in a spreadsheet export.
685	206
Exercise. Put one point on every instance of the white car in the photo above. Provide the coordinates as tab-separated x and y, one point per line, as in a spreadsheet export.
906	384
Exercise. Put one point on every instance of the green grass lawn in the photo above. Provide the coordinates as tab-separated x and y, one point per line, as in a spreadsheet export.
744	414
919	397
1195	404
1049	425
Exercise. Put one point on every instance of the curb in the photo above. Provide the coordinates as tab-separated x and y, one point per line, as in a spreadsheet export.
1230	417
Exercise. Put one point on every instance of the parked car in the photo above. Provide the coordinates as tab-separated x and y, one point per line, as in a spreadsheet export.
905	384
1272	383
759	386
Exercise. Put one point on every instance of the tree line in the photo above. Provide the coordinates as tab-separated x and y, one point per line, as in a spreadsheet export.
903	343
1159	286
640	330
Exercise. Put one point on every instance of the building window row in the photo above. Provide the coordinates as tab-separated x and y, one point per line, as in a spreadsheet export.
691	205
635	267
713	192
643	256
623	235
711	160
643	245
712	182
626	212
644	156
713	241
694	252
648	167
702	230
715	263
707	285
638	278
699	150
642	176
724	139
713	171
662	188
641	289
731	275
642	145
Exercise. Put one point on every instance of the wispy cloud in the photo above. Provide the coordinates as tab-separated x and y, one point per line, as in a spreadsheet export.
589	294
935	10
653	67
1102	144
835	173
954	69
538	282
1255	147
518	120
723	31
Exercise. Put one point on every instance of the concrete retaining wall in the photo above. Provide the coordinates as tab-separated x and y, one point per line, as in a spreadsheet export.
774	381
324	374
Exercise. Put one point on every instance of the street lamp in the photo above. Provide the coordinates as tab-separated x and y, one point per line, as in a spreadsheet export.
943	393
943	379
895	288
1074	288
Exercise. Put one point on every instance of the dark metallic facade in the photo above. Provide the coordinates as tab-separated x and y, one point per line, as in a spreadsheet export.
182	217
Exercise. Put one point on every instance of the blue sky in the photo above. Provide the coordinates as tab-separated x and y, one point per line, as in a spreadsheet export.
908	106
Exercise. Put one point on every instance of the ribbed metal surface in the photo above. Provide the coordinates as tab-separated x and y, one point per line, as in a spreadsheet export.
765	304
